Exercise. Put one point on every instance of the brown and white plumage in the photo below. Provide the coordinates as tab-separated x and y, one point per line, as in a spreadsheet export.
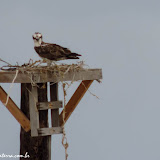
51	51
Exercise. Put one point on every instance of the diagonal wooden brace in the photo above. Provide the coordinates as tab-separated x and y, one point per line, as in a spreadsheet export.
75	99
15	111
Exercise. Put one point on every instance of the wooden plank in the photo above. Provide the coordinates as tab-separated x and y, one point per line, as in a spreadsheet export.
75	99
49	105
43	120
34	114
15	111
46	76
54	97
49	131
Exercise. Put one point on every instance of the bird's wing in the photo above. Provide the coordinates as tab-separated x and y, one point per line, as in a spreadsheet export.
56	50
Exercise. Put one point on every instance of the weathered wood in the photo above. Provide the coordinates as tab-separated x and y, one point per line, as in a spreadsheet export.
49	105
39	148
49	131
15	111
75	99
43	119
38	77
34	114
54	97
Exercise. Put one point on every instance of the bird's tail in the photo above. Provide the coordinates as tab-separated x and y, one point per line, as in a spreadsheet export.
74	54
72	57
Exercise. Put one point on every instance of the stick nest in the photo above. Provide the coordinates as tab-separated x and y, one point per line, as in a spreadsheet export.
33	66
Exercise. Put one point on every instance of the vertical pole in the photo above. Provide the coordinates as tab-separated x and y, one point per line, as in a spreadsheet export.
38	148
54	112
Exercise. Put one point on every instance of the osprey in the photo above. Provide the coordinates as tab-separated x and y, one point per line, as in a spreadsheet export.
52	52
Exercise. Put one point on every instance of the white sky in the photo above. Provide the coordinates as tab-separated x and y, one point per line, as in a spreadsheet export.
122	38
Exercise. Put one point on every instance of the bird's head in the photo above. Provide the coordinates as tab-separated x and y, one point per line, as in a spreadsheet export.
37	38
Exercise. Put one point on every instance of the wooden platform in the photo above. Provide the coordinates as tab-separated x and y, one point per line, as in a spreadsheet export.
39	93
47	76
42	76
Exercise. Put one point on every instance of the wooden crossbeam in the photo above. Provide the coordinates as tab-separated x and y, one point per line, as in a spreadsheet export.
15	111
49	105
46	76
75	99
49	131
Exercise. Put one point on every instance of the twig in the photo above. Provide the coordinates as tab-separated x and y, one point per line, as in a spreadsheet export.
11	87
64	138
5	62
90	91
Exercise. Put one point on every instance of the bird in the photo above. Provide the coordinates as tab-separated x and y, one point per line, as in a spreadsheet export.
51	52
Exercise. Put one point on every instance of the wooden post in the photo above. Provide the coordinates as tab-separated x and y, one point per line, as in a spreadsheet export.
34	104
54	97
38	148
33	99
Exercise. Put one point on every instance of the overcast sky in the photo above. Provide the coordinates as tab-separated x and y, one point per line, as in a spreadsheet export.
122	38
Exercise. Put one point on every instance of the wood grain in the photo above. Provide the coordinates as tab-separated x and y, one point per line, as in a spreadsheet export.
49	105
54	112
39	148
49	131
38	77
34	114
